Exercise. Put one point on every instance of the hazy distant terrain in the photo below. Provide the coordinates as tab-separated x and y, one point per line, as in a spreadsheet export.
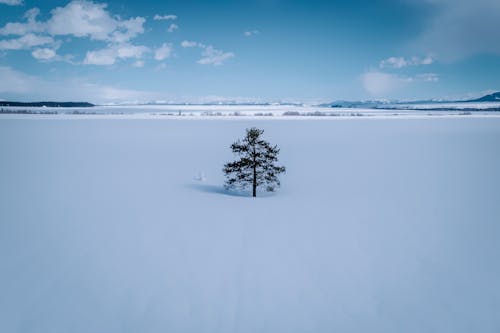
272	110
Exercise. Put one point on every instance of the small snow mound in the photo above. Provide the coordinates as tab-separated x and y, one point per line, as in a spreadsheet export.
200	177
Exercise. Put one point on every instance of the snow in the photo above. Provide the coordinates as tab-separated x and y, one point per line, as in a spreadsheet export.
451	105
381	225
267	111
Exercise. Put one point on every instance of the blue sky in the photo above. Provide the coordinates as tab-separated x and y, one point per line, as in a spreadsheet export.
261	50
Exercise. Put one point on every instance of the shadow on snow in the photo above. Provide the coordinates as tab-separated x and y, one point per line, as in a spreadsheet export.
217	189
207	188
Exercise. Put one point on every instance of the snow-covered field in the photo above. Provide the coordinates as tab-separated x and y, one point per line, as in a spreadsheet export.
381	225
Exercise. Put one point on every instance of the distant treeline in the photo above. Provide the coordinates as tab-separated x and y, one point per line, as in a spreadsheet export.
48	104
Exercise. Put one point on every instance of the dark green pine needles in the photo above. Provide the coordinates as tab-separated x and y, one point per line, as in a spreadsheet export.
256	165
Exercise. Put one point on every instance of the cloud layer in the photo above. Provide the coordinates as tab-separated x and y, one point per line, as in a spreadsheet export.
89	20
80	19
16	82
381	84
461	28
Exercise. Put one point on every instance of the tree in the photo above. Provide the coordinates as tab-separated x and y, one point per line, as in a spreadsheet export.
256	165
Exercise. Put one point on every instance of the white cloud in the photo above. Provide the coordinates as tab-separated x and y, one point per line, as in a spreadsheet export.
187	43
172	27
12	2
109	56
211	56
32	25
400	62
379	84
82	18
426	61
393	62
163	52
128	30
31	14
164	17
428	77
461	28
250	33
101	57
44	54
25	42
79	18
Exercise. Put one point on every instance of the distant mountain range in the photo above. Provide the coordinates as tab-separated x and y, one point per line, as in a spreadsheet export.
212	103
48	104
495	97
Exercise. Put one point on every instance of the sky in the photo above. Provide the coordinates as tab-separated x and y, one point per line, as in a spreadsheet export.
254	50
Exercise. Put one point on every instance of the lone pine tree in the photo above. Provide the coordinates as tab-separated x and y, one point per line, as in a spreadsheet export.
256	166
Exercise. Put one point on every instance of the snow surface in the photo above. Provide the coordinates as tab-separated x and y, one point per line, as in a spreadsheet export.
121	225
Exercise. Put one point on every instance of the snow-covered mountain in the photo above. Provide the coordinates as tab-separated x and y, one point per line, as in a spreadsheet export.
495	97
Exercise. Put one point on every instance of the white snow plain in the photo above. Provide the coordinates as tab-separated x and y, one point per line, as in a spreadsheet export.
381	225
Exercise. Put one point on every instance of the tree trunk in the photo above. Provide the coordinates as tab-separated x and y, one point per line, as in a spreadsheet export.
254	185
